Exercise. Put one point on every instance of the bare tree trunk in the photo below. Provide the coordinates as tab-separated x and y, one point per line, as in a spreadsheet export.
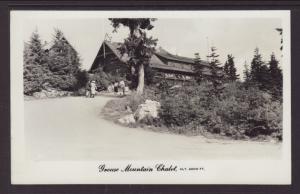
140	87
141	73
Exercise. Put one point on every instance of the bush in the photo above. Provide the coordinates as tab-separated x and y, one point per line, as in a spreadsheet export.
251	111
152	93
117	105
82	79
103	79
63	82
150	121
238	112
185	105
80	92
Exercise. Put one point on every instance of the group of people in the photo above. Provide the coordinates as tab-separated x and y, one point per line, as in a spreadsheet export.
91	88
119	88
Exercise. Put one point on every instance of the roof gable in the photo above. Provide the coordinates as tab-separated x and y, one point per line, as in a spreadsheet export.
155	60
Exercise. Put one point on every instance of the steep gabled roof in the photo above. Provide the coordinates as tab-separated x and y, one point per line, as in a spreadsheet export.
165	54
114	46
155	60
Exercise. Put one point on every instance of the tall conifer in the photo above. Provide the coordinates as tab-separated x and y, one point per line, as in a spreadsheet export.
138	46
259	71
64	62
275	77
35	67
198	68
217	75
229	69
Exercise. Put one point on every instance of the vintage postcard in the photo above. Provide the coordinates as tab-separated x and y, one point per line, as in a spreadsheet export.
150	97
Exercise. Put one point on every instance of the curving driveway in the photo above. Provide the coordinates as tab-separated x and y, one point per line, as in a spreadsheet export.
72	128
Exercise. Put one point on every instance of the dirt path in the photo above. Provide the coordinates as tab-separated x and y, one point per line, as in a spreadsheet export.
72	128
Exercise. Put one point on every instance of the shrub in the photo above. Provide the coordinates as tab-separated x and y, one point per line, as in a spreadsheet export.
251	111
152	93
82	78
238	112
80	92
185	105
103	79
63	82
117	105
148	120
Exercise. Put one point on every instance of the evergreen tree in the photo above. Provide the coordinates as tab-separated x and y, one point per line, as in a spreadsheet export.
259	71
246	72
82	77
217	76
137	46
275	77
226	67
229	69
264	82
35	67
198	68
64	63
256	66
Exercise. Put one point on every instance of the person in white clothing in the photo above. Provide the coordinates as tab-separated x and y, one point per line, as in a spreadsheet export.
122	87
88	89
93	88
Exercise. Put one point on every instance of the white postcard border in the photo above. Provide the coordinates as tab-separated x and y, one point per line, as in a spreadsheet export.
24	171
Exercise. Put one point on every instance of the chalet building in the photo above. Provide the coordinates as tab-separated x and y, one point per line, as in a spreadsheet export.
168	66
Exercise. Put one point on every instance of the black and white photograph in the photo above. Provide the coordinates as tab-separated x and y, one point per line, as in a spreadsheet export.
150	97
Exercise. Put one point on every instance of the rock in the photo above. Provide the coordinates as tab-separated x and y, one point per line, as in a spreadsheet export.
39	95
27	97
63	93
149	109
56	93
51	93
128	109
273	141
127	119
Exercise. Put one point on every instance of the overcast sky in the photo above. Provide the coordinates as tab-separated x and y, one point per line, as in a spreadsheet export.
238	36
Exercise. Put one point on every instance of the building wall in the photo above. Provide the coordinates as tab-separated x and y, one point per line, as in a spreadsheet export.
180	65
112	65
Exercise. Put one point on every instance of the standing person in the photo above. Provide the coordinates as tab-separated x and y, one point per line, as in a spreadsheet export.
93	88
110	88
116	87
87	89
122	86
